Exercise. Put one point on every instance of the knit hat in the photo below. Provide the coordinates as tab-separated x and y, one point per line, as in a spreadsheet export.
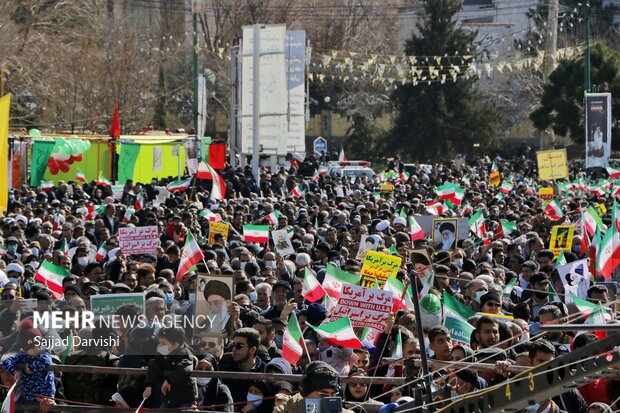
315	314
27	335
490	296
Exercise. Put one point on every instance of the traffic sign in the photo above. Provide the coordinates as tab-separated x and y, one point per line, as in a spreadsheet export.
320	145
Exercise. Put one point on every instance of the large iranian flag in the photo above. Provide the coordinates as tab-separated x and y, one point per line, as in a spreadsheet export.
293	341
339	333
445	191
191	255
334	278
553	210
455	319
179	185
608	255
310	287
256	233
614	173
52	275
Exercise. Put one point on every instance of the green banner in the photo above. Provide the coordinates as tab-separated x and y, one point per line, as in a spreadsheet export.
41	151
204	148
127	161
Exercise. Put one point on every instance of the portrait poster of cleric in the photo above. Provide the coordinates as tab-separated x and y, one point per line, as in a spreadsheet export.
212	299
445	234
598	129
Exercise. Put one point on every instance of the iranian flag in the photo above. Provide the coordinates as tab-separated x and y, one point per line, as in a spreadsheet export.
608	255
508	227
592	220
467	209
256	233
8	405
445	191
127	216
79	176
103	181
334	278
455	319
416	230
593	251
341	156
506	187
616	214
311	289
614	173
499	196
298	191
210	215
476	224
293	341
191	255
139	202
434	208
64	247
561	260
404	176
554	210
179	185
508	288
93	211
51	276
457	196
402	299
274	217
594	314
102	252
218	189
46	185
338	333
3	250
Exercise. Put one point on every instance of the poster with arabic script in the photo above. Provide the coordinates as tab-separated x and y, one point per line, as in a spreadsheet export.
378	267
552	164
365	307
138	240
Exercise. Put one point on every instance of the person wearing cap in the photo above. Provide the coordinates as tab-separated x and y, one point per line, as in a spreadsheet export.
31	365
491	303
399	224
319	380
278	297
11	244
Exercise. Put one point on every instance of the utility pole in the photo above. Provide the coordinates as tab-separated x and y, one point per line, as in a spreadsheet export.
256	103
1	82
195	30
551	40
586	59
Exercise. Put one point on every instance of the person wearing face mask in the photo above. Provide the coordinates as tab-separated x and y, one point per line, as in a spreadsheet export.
260	398
474	291
212	393
169	371
79	261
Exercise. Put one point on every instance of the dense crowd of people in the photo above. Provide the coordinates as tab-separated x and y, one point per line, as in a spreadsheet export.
75	226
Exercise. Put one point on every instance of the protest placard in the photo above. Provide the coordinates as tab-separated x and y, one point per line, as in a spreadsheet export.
576	279
378	266
107	304
138	240
561	238
217	228
282	242
552	164
365	307
213	295
117	191
546	194
387	187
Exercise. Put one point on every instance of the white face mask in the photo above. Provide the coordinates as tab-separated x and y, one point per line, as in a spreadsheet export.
459	263
83	261
203	381
242	264
192	297
163	349
270	264
309	245
479	294
254	400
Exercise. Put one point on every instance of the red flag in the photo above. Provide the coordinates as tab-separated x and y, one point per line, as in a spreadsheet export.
217	155
115	128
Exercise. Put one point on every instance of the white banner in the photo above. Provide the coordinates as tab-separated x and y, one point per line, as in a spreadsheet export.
273	90
365	307
296	80
138	240
598	129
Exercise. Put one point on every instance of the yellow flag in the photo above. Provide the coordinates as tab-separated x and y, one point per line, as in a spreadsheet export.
5	106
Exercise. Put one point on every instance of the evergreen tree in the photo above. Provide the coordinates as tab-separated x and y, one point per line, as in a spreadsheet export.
436	121
561	105
161	107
